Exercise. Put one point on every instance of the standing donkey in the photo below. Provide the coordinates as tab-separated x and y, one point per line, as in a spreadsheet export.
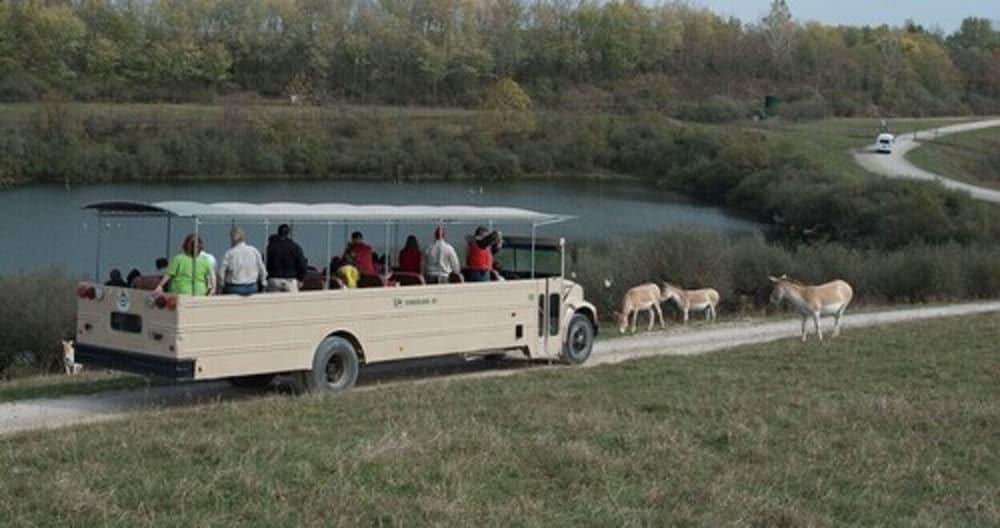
830	298
701	300
643	297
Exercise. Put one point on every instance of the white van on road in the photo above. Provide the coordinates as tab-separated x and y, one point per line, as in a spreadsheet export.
884	142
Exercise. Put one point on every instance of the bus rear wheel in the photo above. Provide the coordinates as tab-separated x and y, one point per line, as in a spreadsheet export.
335	366
579	340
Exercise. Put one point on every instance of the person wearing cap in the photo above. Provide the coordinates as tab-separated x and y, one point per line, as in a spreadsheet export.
242	266
479	260
440	259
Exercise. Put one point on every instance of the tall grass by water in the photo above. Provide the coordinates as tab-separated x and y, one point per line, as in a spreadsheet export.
44	311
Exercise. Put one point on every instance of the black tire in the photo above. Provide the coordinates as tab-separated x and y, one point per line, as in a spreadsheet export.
335	366
258	381
579	340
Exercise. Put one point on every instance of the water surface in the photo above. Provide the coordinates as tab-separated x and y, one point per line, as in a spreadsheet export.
44	226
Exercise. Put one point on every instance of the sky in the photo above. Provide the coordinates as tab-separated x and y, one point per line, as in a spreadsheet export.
945	14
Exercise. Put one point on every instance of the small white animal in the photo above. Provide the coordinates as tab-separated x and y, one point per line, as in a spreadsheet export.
700	300
643	297
70	366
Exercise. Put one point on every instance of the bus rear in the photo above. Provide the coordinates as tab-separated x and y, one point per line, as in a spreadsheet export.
129	330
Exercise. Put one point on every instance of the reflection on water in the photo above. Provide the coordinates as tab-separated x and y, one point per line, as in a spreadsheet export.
44	226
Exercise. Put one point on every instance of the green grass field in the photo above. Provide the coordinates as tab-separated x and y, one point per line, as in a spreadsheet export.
971	157
887	426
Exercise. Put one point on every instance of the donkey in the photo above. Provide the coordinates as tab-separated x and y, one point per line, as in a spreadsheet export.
700	300
830	298
643	297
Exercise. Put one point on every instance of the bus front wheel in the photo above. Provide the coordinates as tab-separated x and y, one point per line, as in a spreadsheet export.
335	366
579	340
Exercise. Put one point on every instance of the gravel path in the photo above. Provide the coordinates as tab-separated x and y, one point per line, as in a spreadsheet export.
694	339
895	165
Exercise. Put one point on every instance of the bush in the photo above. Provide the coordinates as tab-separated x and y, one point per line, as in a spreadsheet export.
738	269
715	109
31	328
814	107
21	88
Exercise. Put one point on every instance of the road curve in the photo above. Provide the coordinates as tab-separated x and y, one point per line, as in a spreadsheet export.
895	165
696	339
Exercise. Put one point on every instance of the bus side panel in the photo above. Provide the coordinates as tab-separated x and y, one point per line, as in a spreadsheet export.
276	332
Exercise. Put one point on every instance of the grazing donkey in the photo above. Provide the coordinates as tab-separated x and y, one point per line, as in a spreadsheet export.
643	297
830	298
700	300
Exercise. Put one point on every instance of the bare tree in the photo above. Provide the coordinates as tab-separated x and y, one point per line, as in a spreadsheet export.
779	32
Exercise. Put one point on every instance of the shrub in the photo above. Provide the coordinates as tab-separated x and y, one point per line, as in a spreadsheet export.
739	269
44	314
21	88
715	109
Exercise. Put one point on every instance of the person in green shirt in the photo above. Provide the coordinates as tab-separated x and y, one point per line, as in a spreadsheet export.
187	274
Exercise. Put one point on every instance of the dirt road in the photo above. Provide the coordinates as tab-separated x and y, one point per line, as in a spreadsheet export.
53	413
895	165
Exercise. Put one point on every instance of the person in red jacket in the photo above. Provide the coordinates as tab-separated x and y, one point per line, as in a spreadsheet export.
411	258
479	259
363	254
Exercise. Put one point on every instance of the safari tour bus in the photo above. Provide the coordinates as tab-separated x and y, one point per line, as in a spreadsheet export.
324	333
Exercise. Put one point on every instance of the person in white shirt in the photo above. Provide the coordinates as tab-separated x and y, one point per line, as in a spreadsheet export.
242	266
440	259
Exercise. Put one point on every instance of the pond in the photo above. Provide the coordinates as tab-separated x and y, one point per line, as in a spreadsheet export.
44	226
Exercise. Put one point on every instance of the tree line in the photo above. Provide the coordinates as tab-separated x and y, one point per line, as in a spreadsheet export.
621	54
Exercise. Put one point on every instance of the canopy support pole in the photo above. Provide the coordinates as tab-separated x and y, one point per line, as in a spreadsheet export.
329	250
534	226
196	246
97	265
388	251
170	222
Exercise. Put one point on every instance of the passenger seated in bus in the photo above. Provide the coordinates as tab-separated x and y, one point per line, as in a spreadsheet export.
286	264
479	260
411	258
161	265
242	266
187	274
115	279
132	275
347	271
440	259
364	256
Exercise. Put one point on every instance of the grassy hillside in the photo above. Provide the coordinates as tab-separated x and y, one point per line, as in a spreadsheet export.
829	141
971	157
886	426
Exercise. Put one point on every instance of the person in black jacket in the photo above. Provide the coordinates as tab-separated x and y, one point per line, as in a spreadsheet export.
286	264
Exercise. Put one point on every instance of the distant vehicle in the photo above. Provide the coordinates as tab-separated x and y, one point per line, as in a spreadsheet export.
324	333
883	144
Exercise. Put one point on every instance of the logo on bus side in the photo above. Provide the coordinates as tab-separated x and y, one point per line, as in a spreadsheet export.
123	302
420	301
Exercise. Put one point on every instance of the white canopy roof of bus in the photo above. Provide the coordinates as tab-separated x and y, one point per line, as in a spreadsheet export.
325	212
